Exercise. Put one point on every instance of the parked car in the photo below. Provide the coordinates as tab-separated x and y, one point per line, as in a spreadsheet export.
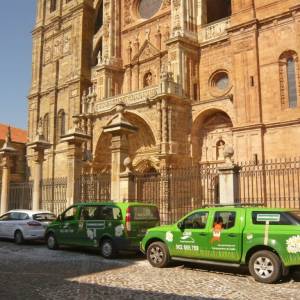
110	226
21	225
265	239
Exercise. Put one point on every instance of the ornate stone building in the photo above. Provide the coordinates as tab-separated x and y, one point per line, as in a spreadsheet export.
184	78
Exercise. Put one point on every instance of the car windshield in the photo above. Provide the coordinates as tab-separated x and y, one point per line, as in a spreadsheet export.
144	213
44	217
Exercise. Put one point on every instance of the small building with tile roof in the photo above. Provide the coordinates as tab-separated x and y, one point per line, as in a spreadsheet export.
19	140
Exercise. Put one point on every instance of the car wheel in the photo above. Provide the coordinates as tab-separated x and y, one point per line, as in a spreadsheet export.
51	242
108	249
265	266
158	255
19	239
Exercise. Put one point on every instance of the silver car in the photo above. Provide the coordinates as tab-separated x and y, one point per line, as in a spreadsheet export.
21	225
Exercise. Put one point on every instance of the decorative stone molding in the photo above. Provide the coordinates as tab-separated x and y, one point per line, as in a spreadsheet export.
214	30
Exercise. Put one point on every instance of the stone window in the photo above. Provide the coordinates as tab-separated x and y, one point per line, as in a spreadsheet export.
148	8
52	5
289	78
219	83
61	126
99	18
217	9
46	127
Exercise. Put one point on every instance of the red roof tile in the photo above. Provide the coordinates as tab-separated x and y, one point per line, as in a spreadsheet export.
17	135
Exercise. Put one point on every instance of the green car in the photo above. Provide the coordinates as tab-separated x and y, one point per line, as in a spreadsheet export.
265	239
110	226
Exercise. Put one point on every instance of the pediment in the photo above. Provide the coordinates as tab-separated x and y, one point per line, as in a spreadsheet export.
146	52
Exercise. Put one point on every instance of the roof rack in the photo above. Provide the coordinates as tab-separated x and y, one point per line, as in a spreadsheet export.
234	205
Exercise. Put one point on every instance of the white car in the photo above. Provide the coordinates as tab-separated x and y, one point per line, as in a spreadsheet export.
21	225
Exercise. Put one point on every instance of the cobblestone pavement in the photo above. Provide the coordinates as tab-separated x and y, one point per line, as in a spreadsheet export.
32	271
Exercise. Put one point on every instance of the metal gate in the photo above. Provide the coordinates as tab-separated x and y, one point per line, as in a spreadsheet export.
178	191
20	195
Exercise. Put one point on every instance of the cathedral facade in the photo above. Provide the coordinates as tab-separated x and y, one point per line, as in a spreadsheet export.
191	76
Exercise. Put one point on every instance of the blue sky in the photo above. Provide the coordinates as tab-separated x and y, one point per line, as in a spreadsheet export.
16	22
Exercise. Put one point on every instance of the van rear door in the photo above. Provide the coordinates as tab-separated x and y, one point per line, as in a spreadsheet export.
139	218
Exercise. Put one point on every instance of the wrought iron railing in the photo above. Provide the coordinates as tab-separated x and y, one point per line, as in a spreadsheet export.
93	188
178	191
54	196
276	183
20	195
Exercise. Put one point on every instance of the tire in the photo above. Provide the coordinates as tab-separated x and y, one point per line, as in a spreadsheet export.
265	266
52	242
158	255
108	249
19	239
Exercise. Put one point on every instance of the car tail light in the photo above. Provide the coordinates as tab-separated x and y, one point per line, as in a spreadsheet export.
34	223
128	219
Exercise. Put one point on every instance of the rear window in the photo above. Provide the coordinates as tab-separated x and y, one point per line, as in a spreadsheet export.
44	217
276	217
144	213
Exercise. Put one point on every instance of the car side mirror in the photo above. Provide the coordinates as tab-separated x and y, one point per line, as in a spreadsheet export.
180	225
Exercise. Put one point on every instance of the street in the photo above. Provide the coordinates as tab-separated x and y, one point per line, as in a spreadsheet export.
31	271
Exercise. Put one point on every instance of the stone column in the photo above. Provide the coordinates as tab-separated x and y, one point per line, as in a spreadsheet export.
127	187
6	154
228	179
39	145
120	129
164	144
6	165
75	138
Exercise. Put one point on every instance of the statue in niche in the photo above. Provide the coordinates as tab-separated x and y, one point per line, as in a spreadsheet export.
220	150
148	81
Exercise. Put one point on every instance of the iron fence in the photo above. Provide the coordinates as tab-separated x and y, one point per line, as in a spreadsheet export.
20	195
275	183
178	191
54	195
93	188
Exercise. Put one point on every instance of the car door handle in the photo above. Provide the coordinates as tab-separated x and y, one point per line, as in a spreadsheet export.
203	234
232	235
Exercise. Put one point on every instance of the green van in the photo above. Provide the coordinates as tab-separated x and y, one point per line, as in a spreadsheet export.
110	226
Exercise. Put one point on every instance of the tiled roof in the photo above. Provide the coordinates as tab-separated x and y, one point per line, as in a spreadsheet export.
17	135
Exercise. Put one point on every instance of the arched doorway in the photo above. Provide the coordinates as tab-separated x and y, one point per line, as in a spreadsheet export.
212	131
141	145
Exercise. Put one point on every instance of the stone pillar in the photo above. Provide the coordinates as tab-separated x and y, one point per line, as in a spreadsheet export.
164	144
75	138
228	179
6	154
39	145
127	186
6	165
120	129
